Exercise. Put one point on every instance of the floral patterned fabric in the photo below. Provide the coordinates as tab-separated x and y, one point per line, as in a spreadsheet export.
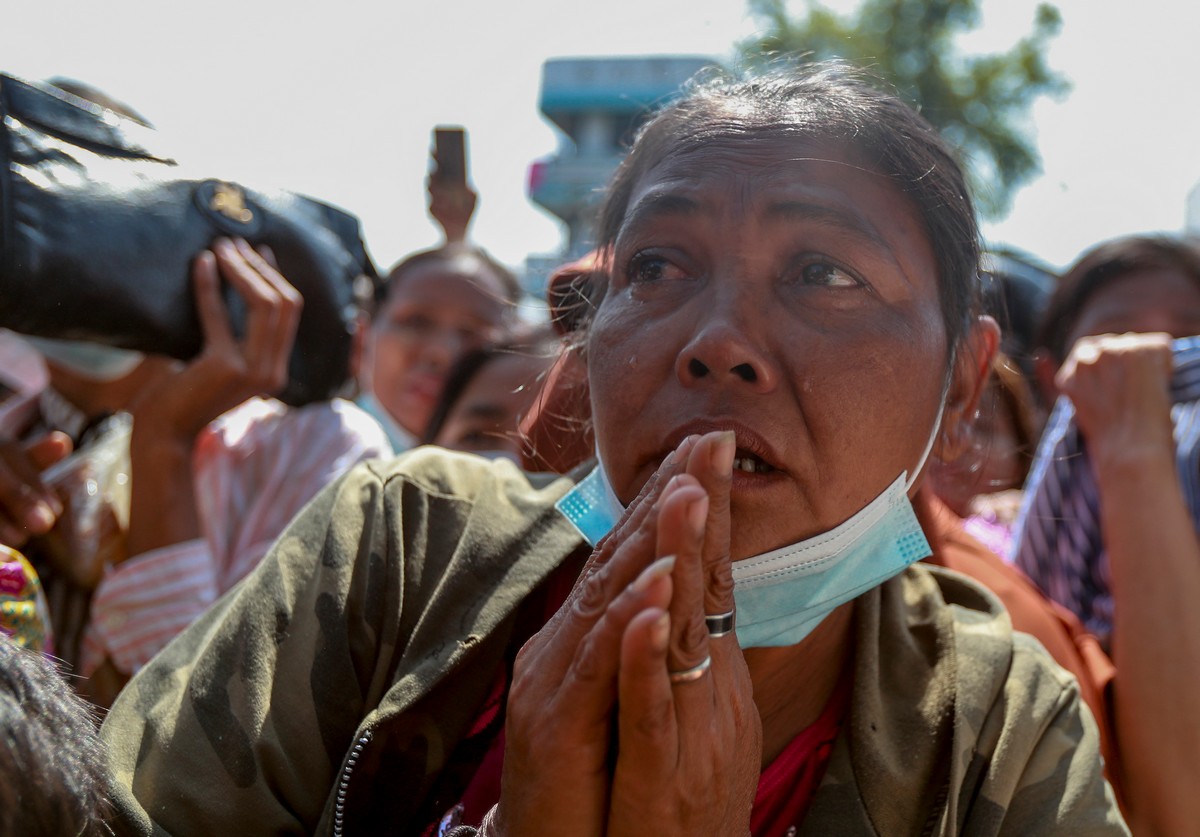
23	612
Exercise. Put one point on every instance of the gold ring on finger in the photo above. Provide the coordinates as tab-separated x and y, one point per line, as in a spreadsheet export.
690	674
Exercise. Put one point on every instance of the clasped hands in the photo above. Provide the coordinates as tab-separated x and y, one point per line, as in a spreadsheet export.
600	737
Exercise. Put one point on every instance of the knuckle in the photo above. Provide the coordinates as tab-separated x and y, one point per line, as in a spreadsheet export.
693	636
591	598
720	580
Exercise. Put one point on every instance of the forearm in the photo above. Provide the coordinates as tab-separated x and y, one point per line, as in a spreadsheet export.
1155	566
162	507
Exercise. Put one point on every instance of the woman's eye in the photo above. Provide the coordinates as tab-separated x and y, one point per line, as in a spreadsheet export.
648	269
412	324
478	439
826	275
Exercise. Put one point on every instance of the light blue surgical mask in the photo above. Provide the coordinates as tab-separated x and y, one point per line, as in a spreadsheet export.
592	506
782	595
400	438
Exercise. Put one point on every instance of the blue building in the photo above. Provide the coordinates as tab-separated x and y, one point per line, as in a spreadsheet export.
597	104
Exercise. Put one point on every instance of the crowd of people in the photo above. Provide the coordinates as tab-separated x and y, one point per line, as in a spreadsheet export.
796	515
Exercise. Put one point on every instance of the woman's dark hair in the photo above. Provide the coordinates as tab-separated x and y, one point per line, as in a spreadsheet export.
1098	268
822	103
51	760
447	253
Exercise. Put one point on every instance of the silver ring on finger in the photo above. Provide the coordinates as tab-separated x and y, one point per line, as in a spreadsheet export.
690	674
719	624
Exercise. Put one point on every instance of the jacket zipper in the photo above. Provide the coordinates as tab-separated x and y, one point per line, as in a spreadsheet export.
339	808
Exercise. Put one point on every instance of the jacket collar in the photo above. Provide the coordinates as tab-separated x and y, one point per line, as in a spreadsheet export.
902	712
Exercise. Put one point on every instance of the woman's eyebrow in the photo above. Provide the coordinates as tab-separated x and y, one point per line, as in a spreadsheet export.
792	210
659	204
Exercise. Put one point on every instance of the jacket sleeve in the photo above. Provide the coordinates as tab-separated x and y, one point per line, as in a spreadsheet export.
1046	775
221	733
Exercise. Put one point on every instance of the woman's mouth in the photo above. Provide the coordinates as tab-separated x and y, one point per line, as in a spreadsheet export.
749	463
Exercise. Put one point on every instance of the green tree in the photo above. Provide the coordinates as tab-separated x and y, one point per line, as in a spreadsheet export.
980	102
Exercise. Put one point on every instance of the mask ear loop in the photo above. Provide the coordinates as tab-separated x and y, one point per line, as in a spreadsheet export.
610	496
937	424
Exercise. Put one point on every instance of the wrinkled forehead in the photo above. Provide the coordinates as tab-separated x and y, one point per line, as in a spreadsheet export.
778	175
765	149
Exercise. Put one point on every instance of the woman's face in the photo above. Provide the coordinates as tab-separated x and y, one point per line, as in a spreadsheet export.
784	293
439	311
484	419
1147	300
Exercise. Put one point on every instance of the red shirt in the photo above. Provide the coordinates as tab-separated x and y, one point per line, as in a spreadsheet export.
787	785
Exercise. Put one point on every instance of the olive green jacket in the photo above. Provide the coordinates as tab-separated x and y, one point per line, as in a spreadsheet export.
331	691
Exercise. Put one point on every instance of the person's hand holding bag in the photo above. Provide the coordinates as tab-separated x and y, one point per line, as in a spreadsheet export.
170	413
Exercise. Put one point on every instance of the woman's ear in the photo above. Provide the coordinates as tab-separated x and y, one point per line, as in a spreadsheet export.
972	368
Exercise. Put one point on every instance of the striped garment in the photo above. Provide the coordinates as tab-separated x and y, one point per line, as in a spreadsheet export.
255	467
1057	537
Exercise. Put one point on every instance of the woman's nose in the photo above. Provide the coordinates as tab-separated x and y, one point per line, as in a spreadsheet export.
723	352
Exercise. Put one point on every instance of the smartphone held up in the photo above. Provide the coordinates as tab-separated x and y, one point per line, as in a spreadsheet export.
451	198
450	155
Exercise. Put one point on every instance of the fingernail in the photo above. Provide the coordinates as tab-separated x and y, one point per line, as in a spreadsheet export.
660	633
697	513
40	518
652	573
723	452
52	502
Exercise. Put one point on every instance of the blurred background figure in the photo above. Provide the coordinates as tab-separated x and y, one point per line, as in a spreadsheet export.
1138	284
433	307
1108	526
488	393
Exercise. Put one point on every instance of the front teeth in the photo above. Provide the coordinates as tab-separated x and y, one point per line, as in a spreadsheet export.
750	465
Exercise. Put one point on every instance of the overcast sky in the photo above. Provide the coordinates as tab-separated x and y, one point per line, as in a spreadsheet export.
337	99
